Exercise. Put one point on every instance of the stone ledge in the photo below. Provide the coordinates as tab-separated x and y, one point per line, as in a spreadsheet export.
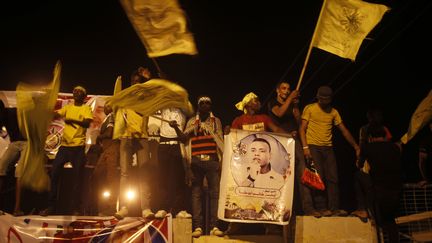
334	229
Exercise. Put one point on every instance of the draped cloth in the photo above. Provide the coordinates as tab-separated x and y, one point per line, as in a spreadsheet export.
149	97
35	106
420	118
241	105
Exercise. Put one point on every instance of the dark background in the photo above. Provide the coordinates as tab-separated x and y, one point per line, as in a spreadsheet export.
243	46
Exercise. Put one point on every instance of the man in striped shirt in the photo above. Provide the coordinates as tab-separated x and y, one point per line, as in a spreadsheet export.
203	135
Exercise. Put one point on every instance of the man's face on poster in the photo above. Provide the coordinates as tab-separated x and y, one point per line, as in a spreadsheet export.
260	152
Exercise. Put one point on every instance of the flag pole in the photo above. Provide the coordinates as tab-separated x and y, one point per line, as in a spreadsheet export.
310	46
157	67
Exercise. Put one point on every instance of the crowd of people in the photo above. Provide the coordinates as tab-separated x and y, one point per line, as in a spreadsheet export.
189	156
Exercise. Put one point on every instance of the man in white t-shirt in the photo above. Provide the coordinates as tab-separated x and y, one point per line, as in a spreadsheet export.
172	167
261	174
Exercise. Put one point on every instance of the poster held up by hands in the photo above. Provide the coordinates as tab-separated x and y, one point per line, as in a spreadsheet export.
257	180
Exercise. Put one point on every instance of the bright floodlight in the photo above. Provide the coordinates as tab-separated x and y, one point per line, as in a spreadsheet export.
106	194
130	195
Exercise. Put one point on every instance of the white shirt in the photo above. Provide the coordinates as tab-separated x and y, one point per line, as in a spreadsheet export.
171	114
271	180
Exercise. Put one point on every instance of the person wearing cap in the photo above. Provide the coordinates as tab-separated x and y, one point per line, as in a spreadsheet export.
203	136
77	117
251	120
318	120
284	110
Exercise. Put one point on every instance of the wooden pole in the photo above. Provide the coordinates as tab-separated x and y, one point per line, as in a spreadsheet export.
310	47
159	118
160	74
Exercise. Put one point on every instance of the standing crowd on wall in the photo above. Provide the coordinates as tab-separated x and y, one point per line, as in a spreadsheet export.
189	158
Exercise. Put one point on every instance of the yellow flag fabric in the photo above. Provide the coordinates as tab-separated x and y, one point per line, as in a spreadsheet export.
129	124
35	107
344	24
147	98
421	117
118	85
161	26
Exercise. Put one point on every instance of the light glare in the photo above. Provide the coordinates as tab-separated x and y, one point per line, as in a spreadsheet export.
130	195
106	194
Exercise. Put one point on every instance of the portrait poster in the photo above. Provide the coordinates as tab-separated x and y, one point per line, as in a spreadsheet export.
257	180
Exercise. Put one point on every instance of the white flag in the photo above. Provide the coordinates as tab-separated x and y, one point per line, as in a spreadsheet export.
344	24
161	26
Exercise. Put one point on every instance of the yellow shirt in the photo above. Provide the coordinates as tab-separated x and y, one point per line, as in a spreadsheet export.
320	124
75	135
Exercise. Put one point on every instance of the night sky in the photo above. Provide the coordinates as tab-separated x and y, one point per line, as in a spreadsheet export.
243	46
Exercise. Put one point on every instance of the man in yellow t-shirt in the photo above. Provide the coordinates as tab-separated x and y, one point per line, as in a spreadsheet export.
318	120
131	128
77	118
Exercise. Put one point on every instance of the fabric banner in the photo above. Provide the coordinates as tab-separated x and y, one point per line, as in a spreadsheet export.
344	24
257	181
161	26
80	229
421	117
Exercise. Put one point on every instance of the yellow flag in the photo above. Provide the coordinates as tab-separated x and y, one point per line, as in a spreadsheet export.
421	117
35	106
151	96
118	85
161	26
147	98
344	24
